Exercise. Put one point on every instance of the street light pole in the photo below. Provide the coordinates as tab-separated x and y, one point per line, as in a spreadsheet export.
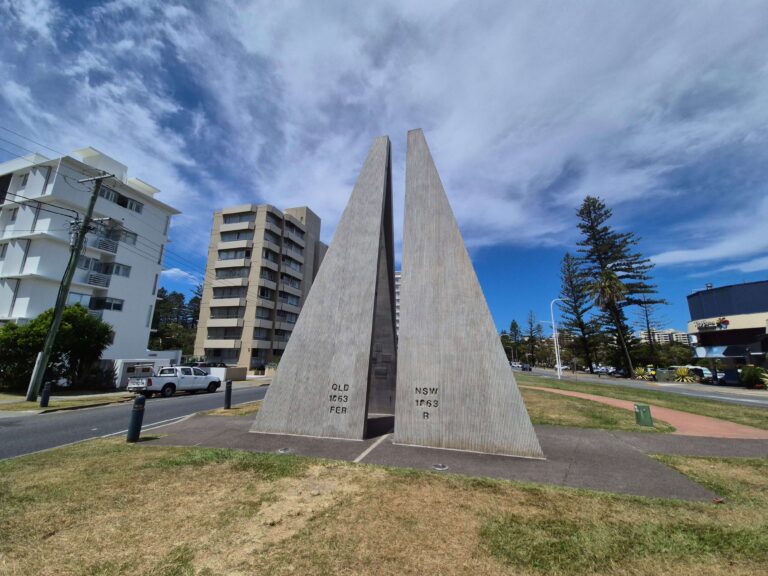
554	337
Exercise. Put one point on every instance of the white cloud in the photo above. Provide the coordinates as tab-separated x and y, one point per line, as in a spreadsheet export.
527	107
179	275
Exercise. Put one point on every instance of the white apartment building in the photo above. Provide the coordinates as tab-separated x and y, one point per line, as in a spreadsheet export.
666	336
118	272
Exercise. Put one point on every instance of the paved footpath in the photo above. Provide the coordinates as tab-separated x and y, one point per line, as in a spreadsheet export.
685	423
581	458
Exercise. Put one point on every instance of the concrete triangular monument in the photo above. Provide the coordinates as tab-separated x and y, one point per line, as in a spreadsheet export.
340	361
455	388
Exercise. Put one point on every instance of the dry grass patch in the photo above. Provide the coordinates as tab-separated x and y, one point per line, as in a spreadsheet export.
556	409
69	403
246	409
109	508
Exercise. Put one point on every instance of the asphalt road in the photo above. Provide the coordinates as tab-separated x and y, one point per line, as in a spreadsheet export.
31	433
718	393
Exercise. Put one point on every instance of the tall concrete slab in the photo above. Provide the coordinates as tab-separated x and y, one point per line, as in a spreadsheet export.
340	362
455	388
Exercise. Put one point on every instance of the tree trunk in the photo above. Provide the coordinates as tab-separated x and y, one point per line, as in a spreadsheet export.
620	333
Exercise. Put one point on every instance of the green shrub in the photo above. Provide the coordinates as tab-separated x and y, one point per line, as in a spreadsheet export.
754	377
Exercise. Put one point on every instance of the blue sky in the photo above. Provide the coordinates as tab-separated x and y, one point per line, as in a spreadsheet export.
659	108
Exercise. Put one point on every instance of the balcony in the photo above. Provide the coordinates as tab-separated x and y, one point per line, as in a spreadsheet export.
264	303
269	264
262	323
289	252
268	283
101	243
272	246
224	282
290	289
295	237
225	323
279	345
226	344
261	344
233	263
237	226
288	307
284	326
96	313
234	245
273	227
218	302
96	279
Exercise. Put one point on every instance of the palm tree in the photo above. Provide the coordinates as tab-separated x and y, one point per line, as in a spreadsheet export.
607	292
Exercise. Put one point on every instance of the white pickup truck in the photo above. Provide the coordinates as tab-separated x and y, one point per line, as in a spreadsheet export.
172	379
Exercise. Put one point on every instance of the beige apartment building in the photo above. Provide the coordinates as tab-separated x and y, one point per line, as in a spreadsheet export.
261	265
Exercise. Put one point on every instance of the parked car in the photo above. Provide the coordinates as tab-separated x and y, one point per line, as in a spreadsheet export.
206	366
516	365
619	373
526	368
172	379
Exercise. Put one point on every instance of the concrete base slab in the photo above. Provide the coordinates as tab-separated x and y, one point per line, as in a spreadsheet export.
579	458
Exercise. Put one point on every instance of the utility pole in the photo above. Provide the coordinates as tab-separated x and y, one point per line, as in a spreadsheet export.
76	247
554	337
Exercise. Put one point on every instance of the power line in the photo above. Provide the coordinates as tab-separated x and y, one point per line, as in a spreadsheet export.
33	141
75	212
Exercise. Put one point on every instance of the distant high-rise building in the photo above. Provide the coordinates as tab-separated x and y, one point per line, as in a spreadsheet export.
118	271
666	336
261	264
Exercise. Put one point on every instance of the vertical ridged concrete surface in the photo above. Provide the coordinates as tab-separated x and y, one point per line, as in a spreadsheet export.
321	387
455	388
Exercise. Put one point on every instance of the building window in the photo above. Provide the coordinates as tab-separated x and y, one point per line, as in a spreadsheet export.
270	255
122	235
293	247
225	333
162	251
293	229
289	298
13	214
237	218
282	335
291	263
268	274
78	298
271	237
226	312
154	285
84	262
3	250
261	333
100	303
149	316
275	220
109	268
266	293
237	235
120	199
24	179
229	292
241	272
287	317
235	254
263	313
290	281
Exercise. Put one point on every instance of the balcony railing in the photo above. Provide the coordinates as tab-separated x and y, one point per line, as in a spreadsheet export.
96	279
105	244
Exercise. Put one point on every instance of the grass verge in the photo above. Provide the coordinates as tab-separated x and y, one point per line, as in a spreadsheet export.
558	410
749	416
68	403
246	409
106	507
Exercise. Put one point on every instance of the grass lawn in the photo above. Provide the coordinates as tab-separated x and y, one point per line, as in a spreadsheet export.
68	403
108	508
245	409
549	408
749	416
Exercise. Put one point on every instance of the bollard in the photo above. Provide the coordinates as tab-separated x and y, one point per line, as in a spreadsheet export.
46	395
137	417
228	395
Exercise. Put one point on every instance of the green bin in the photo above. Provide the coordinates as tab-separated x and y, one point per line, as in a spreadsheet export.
643	415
